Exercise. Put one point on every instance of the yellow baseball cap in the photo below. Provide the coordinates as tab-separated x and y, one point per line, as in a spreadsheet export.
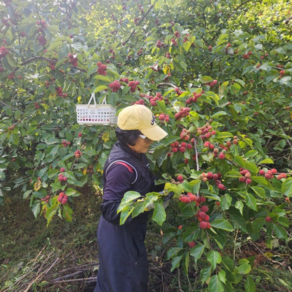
139	117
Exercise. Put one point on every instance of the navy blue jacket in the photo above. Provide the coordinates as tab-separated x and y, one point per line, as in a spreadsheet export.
122	253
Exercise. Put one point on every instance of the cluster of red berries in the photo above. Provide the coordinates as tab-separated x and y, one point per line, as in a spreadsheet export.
268	219
213	83
246	56
176	147
136	20
126	80
184	135
77	153
178	91
133	84
115	86
65	143
245	176
184	111
52	66
180	178
270	174
36	105
140	101
46	199
113	54
59	91
11	76
3	52
163	117
207	131
192	198
174	42
159	44
209	176
195	98
203	217
42	23
73	60
61	177
282	73
101	68
42	40
153	99
62	198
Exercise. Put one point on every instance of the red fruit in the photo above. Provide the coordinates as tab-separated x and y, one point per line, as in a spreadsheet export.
221	155
242	179
161	117
193	198
202	215
207	218
191	244
62	169
287	200
180	227
274	170
210	48
202	199
215	176
189	146
61	194
221	187
268	219
207	144
64	200
180	177
248	181
218	203
262	172
60	199
204	209
174	149
182	149
203	225
210	175
211	146
79	134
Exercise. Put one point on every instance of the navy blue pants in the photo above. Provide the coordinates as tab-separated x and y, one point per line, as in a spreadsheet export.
122	257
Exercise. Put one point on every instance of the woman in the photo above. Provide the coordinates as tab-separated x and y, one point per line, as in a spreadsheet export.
122	253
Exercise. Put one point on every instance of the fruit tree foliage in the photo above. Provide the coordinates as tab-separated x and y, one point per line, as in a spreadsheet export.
217	76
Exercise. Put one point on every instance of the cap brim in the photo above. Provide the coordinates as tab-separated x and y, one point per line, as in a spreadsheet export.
154	133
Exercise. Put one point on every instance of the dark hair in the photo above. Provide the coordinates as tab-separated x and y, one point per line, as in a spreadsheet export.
127	137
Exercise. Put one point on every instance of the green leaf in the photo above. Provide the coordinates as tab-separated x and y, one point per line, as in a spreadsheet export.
197	251
2	175
67	213
226	202
250	153
287	187
228	263
125	214
187	45
267	161
26	194
130	196
72	193
251	201
214	258
224	135
206	79
239	205
244	269
173	251
249	285
280	231
222	224
215	285
259	179
260	192
175	262
138	209
218	114
222	276
159	214
36	208
235	88
99	88
205	274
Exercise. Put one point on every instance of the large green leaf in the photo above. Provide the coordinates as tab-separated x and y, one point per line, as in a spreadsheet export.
214	258
197	251
222	224
215	285
287	187
249	285
251	201
159	214
280	231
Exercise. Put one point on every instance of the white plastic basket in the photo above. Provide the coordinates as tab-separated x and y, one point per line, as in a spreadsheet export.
96	114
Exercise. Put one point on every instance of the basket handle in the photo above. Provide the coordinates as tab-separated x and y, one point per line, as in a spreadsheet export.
104	101
92	97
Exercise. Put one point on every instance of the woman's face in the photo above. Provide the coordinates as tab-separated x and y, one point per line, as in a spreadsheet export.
142	145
